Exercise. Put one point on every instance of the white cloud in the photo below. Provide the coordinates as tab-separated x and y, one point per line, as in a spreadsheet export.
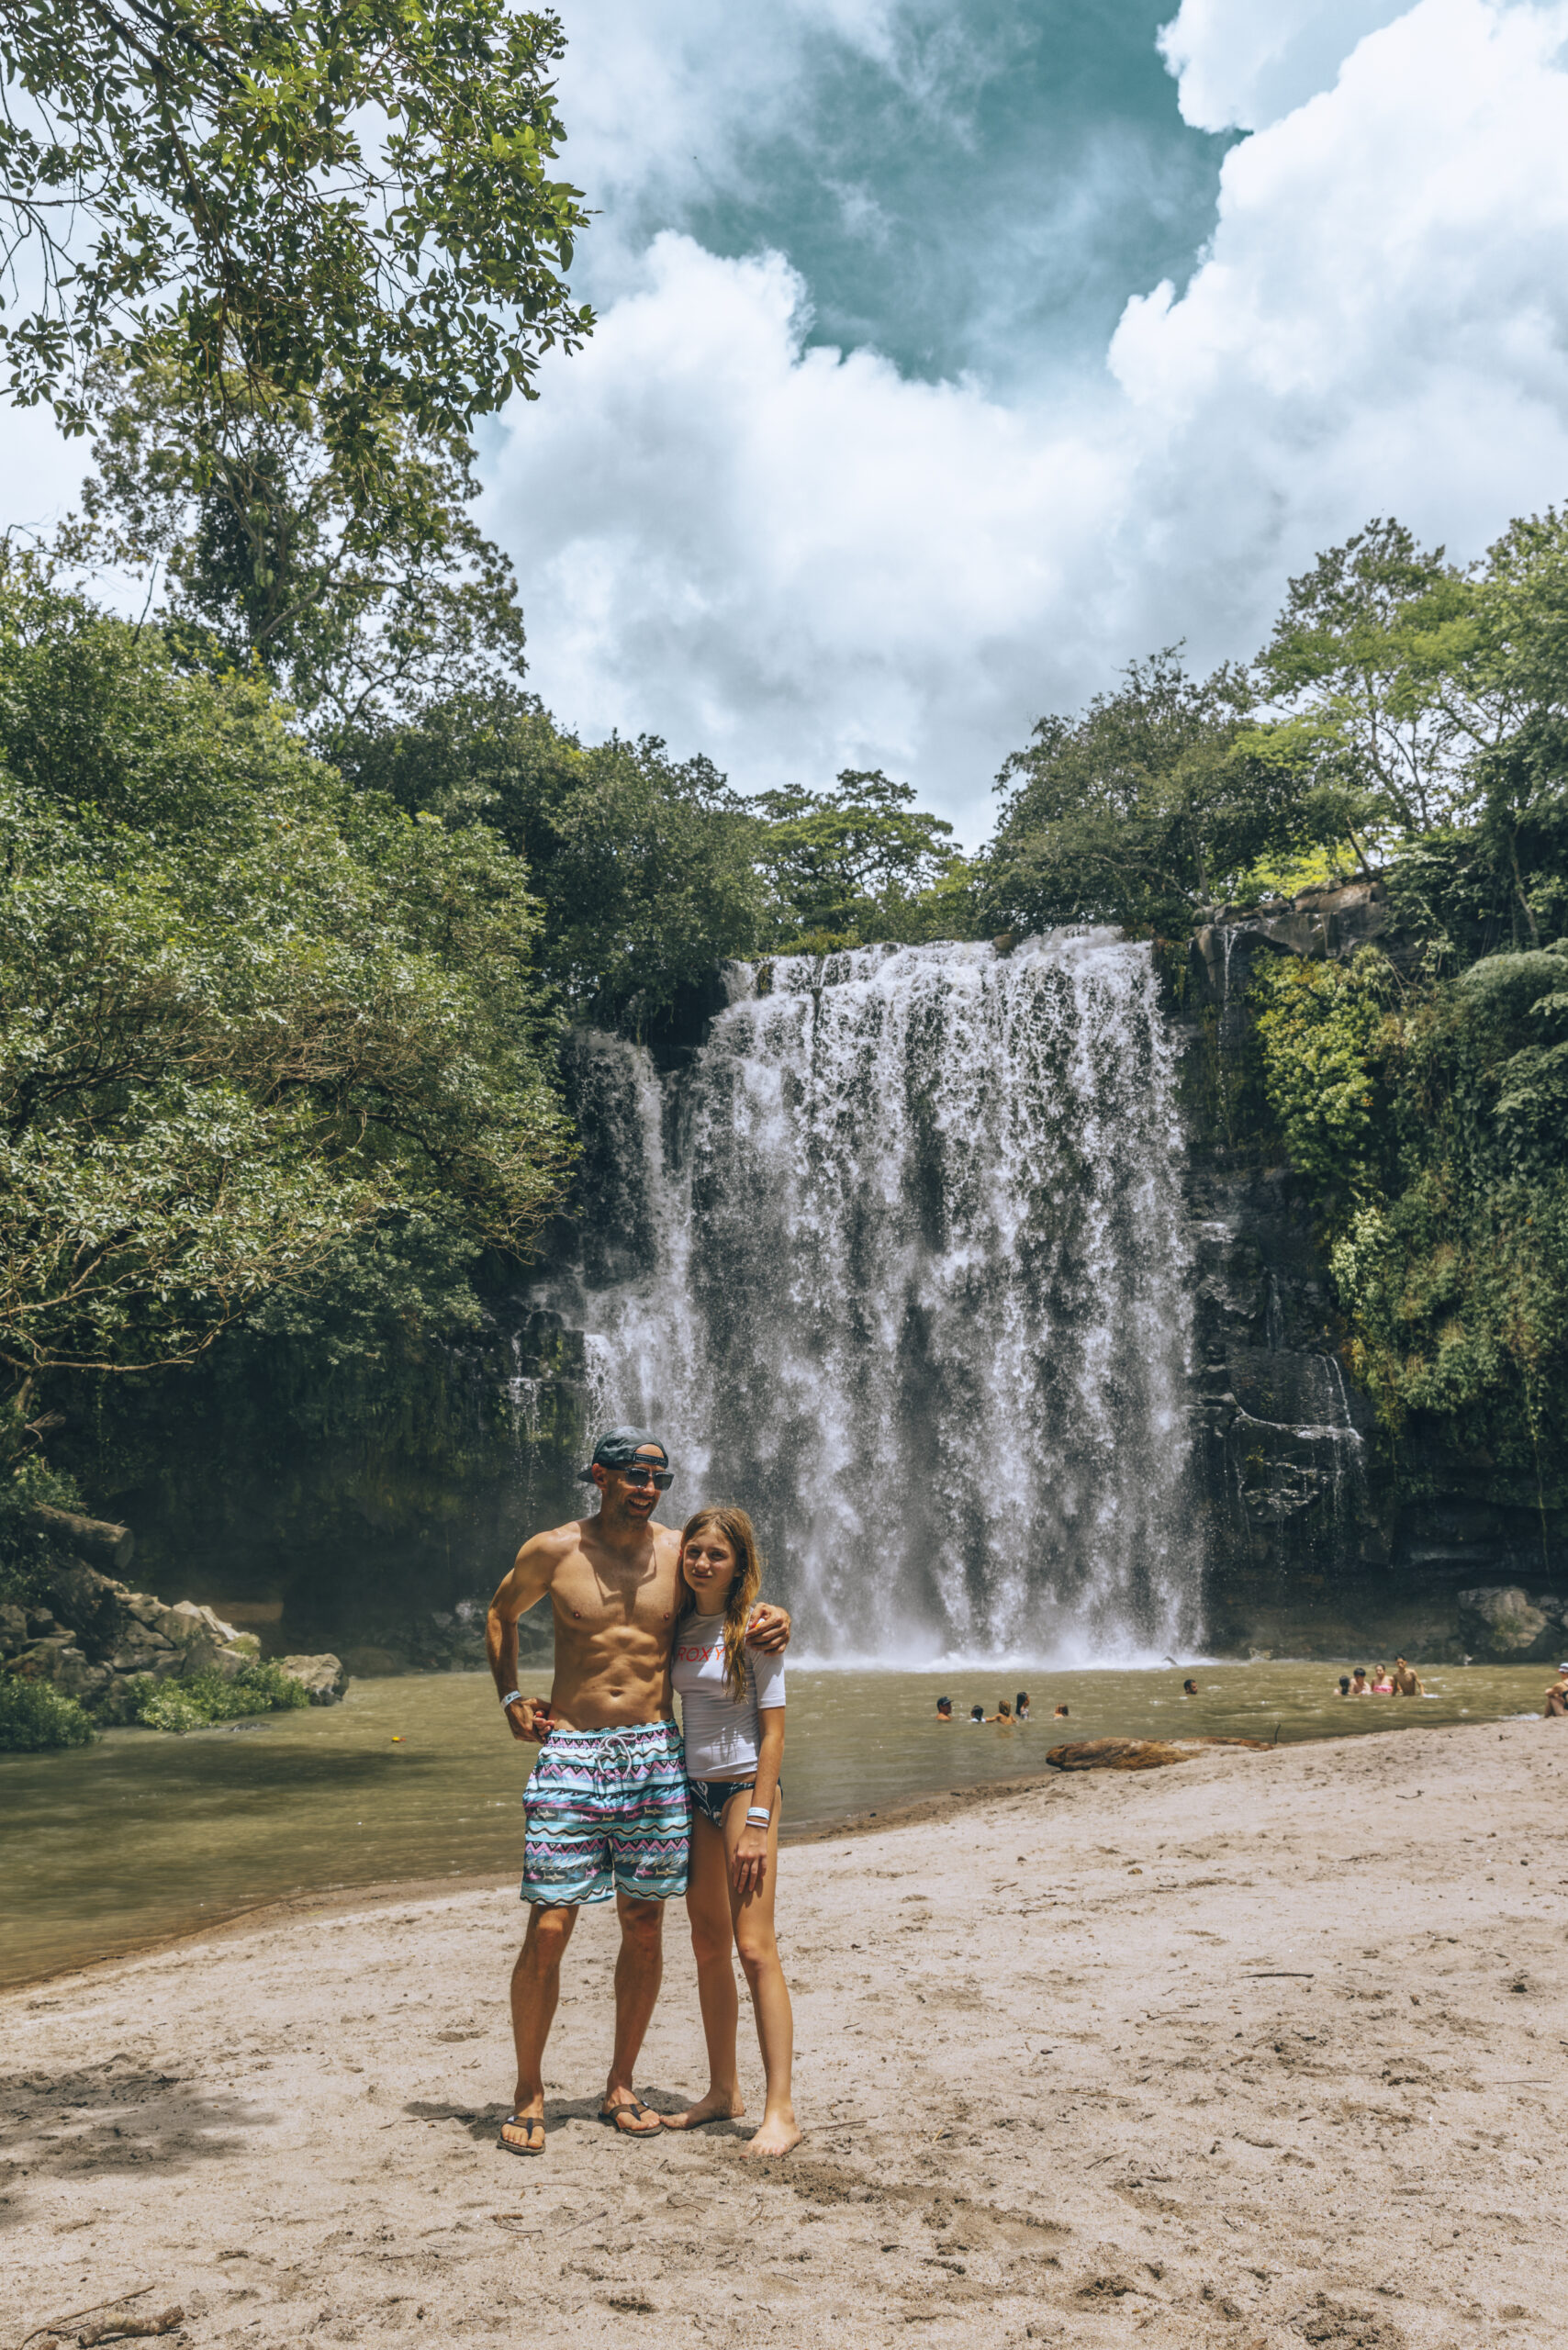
1242	66
657	95
795	560
799	563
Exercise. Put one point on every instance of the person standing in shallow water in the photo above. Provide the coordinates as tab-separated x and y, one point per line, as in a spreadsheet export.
607	1808
732	1710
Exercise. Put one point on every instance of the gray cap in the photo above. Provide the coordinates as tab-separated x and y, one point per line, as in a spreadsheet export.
619	1447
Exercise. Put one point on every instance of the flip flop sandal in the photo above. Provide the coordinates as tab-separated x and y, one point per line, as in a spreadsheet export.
611	2116
529	2121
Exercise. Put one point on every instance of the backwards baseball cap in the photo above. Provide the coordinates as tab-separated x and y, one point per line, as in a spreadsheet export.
619	1447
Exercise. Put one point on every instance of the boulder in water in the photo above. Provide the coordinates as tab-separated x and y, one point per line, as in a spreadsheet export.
1500	1621
323	1676
1139	1754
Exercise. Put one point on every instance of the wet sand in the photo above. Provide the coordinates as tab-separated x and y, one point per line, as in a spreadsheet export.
1264	2049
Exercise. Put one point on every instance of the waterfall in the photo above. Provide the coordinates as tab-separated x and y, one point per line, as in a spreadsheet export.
898	1262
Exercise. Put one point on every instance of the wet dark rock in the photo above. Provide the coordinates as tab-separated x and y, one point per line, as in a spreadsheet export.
1505	1624
1317	1542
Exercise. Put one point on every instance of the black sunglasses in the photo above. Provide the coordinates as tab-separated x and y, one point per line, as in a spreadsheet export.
660	1479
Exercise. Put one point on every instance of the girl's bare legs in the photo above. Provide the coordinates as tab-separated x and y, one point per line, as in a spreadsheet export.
758	1947
712	1939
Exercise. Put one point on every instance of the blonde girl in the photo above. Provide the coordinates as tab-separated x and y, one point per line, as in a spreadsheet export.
733	1720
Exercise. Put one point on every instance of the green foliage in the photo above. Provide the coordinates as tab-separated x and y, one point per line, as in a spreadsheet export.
36	1718
26	1557
1318	1026
352	203
1428	1119
1149	806
645	866
245	1013
201	1698
356	581
1359	659
855	865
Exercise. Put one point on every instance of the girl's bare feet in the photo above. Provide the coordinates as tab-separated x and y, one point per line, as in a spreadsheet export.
719	2105
778	2135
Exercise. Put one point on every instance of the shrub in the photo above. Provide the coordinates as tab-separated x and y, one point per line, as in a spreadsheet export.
205	1697
35	1718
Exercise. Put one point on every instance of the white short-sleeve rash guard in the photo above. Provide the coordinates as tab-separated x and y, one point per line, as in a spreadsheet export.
722	1734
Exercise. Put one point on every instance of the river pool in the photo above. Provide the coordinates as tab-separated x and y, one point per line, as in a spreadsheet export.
142	1835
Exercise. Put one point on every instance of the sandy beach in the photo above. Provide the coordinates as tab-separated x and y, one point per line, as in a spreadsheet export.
1264	2049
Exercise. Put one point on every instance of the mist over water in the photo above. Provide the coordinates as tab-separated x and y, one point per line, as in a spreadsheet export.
898	1263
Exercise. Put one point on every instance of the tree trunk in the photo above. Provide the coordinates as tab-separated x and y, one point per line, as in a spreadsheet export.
109	1546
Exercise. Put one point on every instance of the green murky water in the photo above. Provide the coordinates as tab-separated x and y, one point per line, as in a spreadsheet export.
142	1835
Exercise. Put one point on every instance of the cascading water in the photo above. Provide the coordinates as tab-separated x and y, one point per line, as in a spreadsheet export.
898	1263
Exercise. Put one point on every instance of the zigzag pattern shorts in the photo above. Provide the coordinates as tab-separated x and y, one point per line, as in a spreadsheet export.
607	1810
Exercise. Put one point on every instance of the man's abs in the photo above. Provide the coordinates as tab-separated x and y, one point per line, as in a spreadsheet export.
611	1661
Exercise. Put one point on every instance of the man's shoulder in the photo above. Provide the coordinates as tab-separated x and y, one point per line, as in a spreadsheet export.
555	1544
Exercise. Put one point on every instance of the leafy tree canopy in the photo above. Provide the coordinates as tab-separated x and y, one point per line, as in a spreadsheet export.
246	1014
358	583
645	866
353	203
856	863
1153	803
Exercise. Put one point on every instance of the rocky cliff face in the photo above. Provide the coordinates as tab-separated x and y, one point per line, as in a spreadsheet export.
1318	1540
95	1639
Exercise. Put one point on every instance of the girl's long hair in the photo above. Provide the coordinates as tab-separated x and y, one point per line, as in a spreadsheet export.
740	1535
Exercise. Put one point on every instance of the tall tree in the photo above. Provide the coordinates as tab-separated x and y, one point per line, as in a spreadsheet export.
1369	662
357	581
350	201
851	864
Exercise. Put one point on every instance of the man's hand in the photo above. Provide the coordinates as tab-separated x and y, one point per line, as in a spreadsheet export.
769	1630
529	1718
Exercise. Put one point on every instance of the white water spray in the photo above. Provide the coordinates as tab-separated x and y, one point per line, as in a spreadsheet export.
898	1263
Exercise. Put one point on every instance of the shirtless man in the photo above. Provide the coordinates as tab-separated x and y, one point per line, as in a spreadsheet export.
606	1806
1556	1707
1406	1681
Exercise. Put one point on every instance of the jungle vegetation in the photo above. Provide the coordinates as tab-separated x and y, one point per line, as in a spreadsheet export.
302	882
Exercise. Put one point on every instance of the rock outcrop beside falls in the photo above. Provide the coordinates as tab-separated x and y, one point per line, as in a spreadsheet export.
1314	1544
93	1637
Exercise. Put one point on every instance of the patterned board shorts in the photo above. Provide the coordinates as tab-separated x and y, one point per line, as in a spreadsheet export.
607	1810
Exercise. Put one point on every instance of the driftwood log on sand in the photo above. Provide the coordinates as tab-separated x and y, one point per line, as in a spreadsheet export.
1139	1754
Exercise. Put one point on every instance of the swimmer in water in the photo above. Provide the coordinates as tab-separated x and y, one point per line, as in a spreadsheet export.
1021	1706
943	1709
